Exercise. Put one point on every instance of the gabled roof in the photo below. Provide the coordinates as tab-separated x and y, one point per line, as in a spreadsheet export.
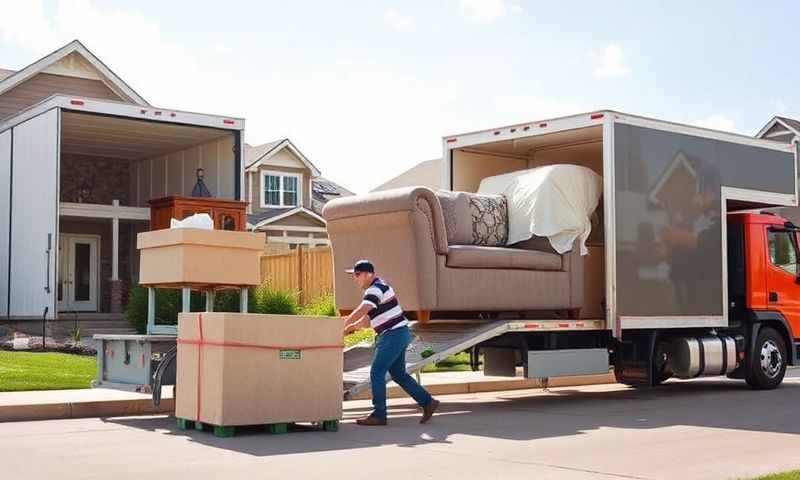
260	154
114	82
790	124
6	73
273	215
323	191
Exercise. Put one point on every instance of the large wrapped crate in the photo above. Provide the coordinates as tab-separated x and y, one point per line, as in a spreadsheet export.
192	256
252	369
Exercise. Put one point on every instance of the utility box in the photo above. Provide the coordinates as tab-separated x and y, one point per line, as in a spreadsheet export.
193	256
251	369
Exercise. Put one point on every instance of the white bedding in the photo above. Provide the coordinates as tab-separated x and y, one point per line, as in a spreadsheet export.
555	201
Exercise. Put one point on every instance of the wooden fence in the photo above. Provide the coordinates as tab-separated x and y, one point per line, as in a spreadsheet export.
307	270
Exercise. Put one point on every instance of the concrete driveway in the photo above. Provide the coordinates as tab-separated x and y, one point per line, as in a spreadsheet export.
714	428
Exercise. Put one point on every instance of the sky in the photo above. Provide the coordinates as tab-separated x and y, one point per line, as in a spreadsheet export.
368	89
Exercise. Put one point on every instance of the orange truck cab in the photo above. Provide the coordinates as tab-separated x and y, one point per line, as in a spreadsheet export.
764	286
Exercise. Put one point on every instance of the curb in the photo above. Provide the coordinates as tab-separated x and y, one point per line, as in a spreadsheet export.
144	406
103	408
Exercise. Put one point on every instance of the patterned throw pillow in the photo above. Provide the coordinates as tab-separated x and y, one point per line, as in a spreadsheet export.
489	220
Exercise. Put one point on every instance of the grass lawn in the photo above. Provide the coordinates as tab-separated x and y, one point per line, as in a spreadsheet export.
793	475
21	371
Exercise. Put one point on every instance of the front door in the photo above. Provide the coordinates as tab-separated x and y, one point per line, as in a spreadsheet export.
78	273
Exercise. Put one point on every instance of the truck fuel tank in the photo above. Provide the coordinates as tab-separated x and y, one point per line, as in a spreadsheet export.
691	357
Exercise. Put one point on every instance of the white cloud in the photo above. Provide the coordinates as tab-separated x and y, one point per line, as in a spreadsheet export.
526	108
610	63
397	20
716	121
342	115
487	10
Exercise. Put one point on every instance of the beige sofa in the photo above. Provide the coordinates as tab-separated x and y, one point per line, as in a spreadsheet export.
403	233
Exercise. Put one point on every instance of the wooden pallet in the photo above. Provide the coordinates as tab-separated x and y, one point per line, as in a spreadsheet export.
273	428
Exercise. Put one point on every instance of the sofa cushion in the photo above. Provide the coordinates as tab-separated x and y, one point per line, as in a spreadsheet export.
489	219
541	244
474	256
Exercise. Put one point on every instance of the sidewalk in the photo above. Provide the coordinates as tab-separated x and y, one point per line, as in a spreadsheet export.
105	402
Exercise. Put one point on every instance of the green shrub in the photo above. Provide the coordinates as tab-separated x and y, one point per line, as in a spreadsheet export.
278	302
168	304
323	306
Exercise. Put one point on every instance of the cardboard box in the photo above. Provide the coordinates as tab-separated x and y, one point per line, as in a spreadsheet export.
257	369
189	256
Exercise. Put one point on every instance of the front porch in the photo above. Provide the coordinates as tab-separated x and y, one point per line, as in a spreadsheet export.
97	256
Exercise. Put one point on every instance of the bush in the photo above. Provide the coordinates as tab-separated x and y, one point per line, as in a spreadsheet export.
168	304
278	302
259	300
323	306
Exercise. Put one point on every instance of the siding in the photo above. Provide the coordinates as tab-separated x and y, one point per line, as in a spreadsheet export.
174	174
256	197
43	85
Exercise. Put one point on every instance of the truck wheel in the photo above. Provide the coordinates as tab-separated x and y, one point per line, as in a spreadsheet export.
768	365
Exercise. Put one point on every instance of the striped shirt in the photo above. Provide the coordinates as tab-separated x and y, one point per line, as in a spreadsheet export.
385	312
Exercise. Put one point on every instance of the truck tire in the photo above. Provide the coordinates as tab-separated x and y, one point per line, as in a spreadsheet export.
768	363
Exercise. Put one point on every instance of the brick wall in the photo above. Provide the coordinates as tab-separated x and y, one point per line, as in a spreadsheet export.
107	179
102	228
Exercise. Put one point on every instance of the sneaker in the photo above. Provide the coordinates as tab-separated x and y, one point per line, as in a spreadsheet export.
428	410
371	421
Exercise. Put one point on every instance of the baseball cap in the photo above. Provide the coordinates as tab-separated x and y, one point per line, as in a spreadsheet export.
362	266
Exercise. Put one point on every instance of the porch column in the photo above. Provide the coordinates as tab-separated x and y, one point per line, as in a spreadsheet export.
115	283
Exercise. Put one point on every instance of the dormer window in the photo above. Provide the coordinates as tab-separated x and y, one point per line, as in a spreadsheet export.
280	189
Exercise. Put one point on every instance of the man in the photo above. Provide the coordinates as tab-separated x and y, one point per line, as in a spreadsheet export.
381	310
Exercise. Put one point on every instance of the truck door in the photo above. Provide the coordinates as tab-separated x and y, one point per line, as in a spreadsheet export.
783	289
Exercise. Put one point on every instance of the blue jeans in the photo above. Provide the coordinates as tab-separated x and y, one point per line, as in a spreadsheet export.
390	356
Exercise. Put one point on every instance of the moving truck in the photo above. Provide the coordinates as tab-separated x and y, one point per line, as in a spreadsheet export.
691	272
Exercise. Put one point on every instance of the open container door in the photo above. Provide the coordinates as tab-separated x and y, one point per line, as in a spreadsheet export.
673	186
5	216
34	214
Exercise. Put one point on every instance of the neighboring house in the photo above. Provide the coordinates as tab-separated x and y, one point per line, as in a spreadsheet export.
81	153
425	174
780	129
783	129
286	194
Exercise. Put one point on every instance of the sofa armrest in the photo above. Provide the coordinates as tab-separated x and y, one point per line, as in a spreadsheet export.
401	231
410	199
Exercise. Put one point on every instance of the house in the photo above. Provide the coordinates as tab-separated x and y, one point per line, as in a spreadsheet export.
783	129
425	174
81	153
286	194
780	129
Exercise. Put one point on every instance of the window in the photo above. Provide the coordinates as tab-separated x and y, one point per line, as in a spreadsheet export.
280	189
782	250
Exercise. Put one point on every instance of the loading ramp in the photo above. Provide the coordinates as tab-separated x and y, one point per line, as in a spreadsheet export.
445	338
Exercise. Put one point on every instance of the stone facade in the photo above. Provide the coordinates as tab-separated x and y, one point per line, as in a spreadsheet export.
88	179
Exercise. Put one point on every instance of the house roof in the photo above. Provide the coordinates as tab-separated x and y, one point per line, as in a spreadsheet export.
790	124
426	174
323	191
260	154
274	214
108	77
5	73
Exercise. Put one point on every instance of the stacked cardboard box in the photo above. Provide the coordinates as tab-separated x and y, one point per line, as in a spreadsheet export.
248	369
